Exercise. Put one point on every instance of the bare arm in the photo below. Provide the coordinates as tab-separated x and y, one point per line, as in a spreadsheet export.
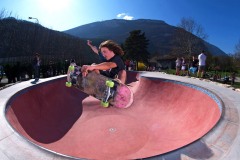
94	48
101	66
122	76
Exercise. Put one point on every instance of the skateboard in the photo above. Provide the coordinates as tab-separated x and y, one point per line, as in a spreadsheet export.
109	91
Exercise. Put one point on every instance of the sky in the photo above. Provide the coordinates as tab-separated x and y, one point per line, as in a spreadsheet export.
220	19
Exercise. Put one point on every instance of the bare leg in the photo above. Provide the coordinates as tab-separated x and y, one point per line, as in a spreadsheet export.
202	74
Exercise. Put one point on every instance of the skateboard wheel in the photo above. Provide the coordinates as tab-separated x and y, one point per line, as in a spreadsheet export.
109	83
71	68
104	104
68	84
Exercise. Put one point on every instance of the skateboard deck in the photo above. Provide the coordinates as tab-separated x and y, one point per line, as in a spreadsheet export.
107	90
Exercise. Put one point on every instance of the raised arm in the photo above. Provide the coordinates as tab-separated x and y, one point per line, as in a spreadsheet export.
94	48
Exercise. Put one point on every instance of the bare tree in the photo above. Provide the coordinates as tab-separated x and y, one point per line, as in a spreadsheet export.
4	13
236	55
189	38
237	48
189	34
190	25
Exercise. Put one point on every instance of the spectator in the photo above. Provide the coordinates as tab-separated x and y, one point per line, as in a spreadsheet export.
36	66
194	66
1	72
127	64
131	65
183	68
202	64
178	65
233	77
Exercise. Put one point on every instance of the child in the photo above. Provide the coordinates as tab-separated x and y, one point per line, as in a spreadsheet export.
183	68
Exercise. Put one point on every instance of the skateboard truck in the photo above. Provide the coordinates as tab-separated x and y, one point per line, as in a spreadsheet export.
73	81
73	76
108	93
68	84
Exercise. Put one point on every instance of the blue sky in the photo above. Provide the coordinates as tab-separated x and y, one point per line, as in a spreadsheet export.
219	18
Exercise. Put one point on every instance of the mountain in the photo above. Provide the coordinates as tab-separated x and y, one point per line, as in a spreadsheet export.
20	40
214	49
159	34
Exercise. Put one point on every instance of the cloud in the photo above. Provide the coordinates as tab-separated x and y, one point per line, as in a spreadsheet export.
121	15
125	16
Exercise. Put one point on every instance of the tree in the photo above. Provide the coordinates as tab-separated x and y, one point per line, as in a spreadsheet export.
236	55
191	26
189	34
135	47
4	14
189	38
237	50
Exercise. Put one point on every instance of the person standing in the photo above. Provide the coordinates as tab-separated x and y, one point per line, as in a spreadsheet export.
1	72
233	77
178	65
36	66
202	64
183	68
194	65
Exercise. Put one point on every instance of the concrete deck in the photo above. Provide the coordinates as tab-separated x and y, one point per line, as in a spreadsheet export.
222	142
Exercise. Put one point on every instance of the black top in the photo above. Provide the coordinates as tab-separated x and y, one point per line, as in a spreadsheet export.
195	63
102	58
114	71
36	62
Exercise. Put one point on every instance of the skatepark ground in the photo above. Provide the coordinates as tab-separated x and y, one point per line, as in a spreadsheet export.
171	118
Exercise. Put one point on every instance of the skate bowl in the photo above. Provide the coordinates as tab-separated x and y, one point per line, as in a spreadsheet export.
166	115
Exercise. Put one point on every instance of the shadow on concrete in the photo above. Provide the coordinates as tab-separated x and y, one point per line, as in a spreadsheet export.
39	118
198	150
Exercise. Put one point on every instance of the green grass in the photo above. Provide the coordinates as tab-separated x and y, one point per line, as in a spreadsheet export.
236	85
2	84
222	74
170	71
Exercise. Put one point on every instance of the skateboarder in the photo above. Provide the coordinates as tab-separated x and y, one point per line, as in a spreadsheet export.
98	81
113	67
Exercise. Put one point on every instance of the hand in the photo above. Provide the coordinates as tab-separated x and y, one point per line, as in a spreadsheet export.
85	69
89	42
84	74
